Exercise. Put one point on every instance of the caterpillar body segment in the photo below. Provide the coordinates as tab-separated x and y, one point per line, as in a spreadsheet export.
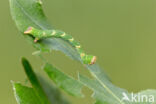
40	34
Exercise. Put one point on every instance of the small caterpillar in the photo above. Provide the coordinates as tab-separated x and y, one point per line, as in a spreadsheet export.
39	34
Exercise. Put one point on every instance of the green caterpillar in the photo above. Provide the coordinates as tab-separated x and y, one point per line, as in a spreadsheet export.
39	34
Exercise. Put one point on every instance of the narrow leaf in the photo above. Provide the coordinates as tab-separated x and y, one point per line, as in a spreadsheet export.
65	82
104	92
53	93
41	91
107	93
34	82
25	95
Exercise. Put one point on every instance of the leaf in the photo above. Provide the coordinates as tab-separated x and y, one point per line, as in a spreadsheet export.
107	93
27	13
34	82
103	91
53	93
25	95
148	93
41	91
63	81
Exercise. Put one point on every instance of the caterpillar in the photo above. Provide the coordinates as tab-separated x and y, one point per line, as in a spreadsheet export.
40	34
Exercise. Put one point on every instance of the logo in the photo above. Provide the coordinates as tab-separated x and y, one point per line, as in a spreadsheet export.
137	97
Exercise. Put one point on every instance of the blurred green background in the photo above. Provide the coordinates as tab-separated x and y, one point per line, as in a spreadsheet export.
122	33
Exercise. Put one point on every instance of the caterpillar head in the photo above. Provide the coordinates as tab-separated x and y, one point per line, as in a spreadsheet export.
34	32
29	30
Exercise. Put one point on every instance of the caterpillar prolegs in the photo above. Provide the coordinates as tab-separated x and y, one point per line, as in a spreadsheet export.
39	34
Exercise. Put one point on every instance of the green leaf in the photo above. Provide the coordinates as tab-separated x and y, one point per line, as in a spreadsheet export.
104	91
25	95
34	82
53	93
107	93
63	81
148	93
41	91
27	13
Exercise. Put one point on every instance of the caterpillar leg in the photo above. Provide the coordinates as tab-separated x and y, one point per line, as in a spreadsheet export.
36	39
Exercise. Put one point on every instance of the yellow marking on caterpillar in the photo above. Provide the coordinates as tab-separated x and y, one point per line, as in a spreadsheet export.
40	2
44	33
82	54
78	46
53	33
63	34
71	39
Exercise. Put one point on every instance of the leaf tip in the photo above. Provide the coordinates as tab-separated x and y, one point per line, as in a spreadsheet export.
23	59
